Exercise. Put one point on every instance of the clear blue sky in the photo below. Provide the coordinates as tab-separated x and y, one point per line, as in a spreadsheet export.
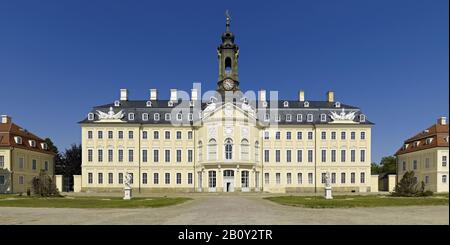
60	58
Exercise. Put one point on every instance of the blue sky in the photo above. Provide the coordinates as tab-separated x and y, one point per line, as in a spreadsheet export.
60	58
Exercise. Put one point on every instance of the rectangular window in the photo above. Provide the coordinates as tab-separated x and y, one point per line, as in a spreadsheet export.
130	135
289	178
333	135
89	134
288	156
33	164
427	162
156	135
352	155
352	178
21	180
144	135
120	135
167	155
299	155
190	135
288	117
110	178
120	155
310	178
130	155
100	155
120	178
144	178
444	178
342	178
266	155
178	135
110	155
299	117
310	135
299	178
288	135
278	178
363	155
110	134
277	135
178	178
100	134
167	135
415	164
352	135
144	155
310	155
189	178
266	178
363	178
324	155
155	178
324	178
100	178
299	135
444	161
324	135
90	178
155	155
167	179
333	178
266	135
363	135
427	179
190	155
277	155
21	162
404	166
2	179
46	166
342	135
178	155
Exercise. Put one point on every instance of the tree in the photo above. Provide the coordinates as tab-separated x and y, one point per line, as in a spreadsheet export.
409	187
43	185
72	161
388	165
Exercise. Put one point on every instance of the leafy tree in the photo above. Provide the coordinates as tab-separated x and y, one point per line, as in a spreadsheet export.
43	185
72	161
388	165
409	187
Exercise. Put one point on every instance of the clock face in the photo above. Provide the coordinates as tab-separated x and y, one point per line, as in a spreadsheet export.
228	84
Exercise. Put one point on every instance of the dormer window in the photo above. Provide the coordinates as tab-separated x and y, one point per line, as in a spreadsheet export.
190	117
156	116
428	141
405	146
299	117
116	103
167	117
286	104
306	104
337	104
179	116
309	117
362	118
323	117
130	116
446	139
144	116
91	116
416	144
288	117
32	143
44	146
170	103
267	117
18	140
278	118
148	104
264	104
245	101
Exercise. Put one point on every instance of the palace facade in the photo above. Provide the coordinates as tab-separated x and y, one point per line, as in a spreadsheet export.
226	140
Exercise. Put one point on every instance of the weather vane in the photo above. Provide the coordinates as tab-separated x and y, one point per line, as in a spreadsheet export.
227	14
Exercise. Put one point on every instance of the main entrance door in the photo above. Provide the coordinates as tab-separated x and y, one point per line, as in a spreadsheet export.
228	181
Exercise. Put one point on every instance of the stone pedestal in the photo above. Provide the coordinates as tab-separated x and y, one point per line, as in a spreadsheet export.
127	193
328	194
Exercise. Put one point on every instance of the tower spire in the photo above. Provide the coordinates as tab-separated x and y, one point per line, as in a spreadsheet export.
228	17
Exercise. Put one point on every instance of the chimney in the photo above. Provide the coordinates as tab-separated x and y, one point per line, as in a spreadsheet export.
262	95
173	94
124	94
441	121
194	94
153	94
330	96
6	119
301	95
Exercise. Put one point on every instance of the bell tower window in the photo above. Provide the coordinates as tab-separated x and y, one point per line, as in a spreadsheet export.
228	66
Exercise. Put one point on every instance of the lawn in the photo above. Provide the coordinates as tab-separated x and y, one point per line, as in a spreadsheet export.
358	201
88	202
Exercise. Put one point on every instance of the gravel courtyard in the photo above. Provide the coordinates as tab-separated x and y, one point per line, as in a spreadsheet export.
228	209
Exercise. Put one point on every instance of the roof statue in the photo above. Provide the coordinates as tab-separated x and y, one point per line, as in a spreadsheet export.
343	117
110	116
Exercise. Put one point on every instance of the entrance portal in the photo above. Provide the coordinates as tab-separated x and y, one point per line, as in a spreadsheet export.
228	181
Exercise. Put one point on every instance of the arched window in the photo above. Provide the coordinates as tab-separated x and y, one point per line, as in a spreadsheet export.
227	65
256	151
200	151
212	149
228	149
244	149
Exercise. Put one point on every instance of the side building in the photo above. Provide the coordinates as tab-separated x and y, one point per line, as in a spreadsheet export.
22	156
426	154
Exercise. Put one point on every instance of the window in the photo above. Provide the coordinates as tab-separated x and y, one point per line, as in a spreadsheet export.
212	179
342	155
190	135
120	178
363	135
110	134
310	135
288	156
299	155
323	117
288	178
46	166
200	151
266	135
256	151
155	155
299	178
130	135
167	155
2	179
130	116
309	117
167	179
167	117
342	178
144	116
444	161
21	162
130	155
100	178
427	162
306	104
144	178
144	135
342	135
100	134
333	178
310	178
100	155
363	155
444	178
277	118
228	149
362	118
333	135
155	178
352	178
352	135
427	179
266	117
91	116
363	178
89	134
189	178
120	135
212	149
110	178
404	166
190	155
90	157
190	116
33	164
288	135
116	103
167	135
324	135
178	178
90	178
352	155
310	155
299	135
277	135
266	178
277	155
286	104
2	161
178	135
244	179
415	164
266	155
144	155
299	117
110	155
288	117
278	178
156	116
333	155
178	155
120	155
245	148
324	155
148	104
156	135
324	178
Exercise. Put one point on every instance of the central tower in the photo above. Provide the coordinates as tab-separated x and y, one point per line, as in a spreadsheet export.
228	55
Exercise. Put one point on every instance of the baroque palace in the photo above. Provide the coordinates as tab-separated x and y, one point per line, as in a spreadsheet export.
226	140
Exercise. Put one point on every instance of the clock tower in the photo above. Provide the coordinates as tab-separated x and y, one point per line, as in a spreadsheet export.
228	54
